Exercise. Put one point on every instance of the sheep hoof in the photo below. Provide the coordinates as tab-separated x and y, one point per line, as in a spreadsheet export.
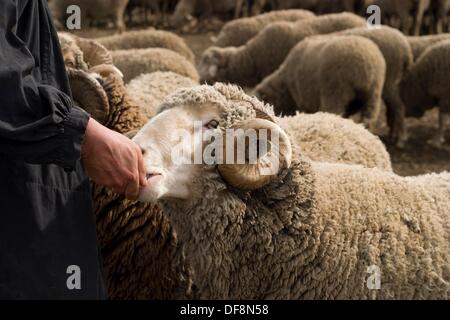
436	142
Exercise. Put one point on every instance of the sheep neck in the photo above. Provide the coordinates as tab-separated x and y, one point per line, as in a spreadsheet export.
227	235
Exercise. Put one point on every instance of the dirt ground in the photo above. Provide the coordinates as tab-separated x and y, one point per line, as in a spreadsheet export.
418	157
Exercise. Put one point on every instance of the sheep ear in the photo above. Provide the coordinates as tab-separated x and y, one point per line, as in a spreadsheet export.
260	114
88	93
277	156
217	57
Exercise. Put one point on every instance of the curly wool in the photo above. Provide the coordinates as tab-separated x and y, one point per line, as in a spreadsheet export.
237	32
124	114
143	256
135	62
313	232
144	39
140	251
149	90
342	140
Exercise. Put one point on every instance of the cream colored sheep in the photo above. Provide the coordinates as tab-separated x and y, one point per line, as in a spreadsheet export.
149	90
307	231
237	32
135	62
144	39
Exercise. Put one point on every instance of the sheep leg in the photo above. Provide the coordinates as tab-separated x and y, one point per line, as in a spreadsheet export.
238	9
371	111
395	114
419	17
439	139
331	103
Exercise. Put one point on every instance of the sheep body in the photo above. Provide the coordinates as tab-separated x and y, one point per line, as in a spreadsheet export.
399	59
313	78
135	62
143	257
341	140
426	86
144	39
419	44
315	231
237	32
247	65
149	90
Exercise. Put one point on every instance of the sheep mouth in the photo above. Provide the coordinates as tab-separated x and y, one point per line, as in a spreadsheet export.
153	177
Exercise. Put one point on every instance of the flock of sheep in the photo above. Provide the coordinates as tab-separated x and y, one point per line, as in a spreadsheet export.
409	15
334	208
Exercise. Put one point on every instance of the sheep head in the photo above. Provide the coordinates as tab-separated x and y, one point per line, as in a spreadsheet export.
211	133
214	65
80	53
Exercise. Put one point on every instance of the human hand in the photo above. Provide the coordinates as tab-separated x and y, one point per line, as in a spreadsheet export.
113	160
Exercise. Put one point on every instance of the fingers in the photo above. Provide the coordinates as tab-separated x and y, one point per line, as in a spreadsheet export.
142	170
132	189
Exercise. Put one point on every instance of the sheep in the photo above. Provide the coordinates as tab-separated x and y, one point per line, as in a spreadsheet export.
186	9
148	90
249	7
403	9
398	57
341	140
419	44
142	256
135	62
144	39
93	10
313	78
237	32
426	86
309	230
81	53
247	65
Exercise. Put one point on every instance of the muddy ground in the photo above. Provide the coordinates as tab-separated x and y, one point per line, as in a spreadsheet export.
418	157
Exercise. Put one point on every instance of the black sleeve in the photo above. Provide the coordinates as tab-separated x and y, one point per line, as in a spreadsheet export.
38	123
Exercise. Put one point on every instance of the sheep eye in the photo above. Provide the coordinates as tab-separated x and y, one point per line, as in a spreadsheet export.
213	124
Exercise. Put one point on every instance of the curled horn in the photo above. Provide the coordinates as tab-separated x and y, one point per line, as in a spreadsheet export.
105	70
88	93
252	176
94	53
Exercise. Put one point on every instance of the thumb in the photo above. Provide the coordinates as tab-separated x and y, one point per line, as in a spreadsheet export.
142	171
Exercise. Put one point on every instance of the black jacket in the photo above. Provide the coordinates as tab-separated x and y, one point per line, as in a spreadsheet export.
46	216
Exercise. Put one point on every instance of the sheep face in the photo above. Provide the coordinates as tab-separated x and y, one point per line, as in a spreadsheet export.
213	65
189	145
169	142
72	54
